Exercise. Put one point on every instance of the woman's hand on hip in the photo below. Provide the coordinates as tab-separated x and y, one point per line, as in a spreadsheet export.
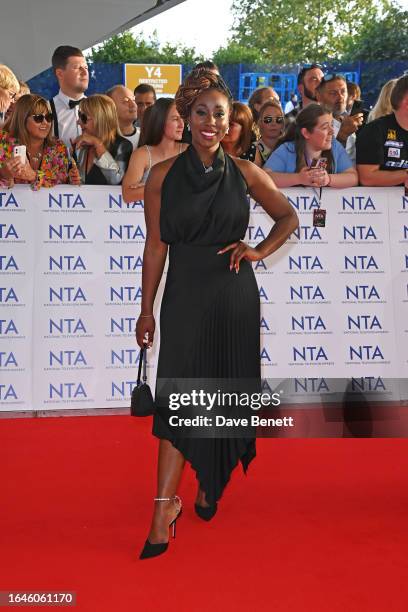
240	250
145	325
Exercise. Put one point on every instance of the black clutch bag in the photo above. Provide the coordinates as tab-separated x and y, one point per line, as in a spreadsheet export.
142	403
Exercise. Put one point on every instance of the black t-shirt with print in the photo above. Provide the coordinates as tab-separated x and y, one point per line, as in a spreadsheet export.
383	142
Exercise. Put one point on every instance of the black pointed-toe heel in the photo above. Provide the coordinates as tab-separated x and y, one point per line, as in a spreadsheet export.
206	513
154	550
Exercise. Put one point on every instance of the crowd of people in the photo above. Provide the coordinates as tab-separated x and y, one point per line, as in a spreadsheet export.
324	139
194	160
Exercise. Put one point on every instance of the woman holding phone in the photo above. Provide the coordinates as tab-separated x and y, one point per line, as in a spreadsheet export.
28	152
310	155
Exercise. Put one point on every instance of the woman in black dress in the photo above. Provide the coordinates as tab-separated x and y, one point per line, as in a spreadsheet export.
196	207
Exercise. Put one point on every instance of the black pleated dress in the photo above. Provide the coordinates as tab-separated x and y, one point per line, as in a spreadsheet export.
209	322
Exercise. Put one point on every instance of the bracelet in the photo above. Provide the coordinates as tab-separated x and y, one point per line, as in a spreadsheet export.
144	316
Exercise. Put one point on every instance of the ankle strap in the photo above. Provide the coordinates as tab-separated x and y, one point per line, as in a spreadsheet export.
174	498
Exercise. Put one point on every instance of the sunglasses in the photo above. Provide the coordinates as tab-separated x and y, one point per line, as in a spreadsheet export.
269	119
333	77
82	117
40	117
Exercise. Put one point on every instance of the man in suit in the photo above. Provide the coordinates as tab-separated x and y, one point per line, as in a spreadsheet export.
71	71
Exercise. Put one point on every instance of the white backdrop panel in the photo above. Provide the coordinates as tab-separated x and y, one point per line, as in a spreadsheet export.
334	300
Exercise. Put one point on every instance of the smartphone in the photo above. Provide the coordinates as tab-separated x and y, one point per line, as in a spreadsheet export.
358	107
319	162
20	151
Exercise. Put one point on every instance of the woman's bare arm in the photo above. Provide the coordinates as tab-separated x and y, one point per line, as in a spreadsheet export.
263	190
132	188
155	251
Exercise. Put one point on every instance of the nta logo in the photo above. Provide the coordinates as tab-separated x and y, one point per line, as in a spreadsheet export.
8	295
305	262
309	353
359	232
8	263
308	323
8	327
126	232
8	231
67	358
7	360
360	262
129	263
362	292
65	200
124	325
7	200
7	392
67	263
359	203
66	326
306	292
67	295
66	231
366	352
67	390
366	322
126	293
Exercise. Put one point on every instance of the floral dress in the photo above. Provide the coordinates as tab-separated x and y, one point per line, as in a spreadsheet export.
54	166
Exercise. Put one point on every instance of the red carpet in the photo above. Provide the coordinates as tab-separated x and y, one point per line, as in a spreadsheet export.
317	525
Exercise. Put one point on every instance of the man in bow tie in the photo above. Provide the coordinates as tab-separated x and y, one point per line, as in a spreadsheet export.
71	71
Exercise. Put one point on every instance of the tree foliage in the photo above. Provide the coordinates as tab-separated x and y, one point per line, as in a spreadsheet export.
127	48
293	31
283	32
385	39
234	53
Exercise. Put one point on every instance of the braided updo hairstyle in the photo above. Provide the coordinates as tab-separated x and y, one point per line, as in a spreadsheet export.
198	81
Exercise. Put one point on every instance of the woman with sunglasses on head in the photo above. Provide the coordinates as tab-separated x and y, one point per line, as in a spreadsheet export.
47	162
237	141
101	152
310	155
271	124
162	131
